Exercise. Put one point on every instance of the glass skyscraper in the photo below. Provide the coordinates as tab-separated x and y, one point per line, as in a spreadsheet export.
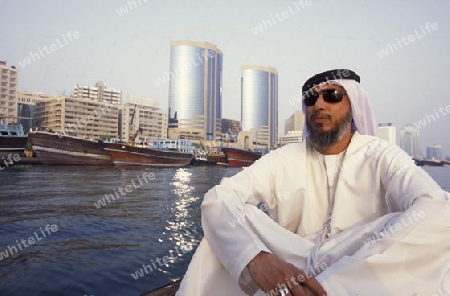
259	99
409	140
195	90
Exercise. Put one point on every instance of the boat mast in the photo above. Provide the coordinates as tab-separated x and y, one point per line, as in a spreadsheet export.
131	138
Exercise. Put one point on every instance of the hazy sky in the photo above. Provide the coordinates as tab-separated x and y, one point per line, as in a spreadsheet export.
130	50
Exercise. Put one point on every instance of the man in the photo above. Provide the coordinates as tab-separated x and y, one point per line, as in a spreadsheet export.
346	213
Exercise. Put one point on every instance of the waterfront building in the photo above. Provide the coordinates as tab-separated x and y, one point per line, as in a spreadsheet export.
149	102
293	128
259	104
77	117
409	140
295	122
140	114
434	152
291	137
387	132
9	80
26	105
230	126
195	91
99	93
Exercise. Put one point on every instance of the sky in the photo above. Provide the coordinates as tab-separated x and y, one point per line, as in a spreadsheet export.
398	47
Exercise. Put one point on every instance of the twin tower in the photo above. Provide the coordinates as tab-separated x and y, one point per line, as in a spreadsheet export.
195	95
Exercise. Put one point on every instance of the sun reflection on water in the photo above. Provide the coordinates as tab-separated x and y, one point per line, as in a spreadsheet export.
183	227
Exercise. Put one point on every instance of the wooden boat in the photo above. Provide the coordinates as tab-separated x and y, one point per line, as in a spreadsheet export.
52	148
168	290
12	139
240	157
202	160
429	162
165	153
219	157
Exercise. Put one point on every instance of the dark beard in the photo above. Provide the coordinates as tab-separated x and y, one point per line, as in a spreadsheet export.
322	140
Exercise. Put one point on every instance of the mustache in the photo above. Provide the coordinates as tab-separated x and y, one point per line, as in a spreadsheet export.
319	114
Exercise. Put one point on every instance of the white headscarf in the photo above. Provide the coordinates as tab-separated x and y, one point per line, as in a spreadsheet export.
361	108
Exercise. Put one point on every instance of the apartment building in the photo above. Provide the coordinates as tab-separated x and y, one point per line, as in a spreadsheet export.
80	117
99	93
9	78
142	113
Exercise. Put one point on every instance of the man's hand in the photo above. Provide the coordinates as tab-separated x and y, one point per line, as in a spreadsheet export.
271	273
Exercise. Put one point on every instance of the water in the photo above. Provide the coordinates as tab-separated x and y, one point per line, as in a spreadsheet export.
94	250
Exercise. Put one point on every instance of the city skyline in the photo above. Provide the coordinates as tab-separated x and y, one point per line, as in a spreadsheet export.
400	53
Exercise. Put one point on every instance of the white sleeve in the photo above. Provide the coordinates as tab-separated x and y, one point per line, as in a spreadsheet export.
405	182
224	213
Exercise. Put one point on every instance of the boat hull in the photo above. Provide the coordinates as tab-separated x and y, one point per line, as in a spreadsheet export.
53	149
240	158
429	162
123	155
218	158
12	144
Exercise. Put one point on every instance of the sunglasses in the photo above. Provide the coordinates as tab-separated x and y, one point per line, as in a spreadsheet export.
329	95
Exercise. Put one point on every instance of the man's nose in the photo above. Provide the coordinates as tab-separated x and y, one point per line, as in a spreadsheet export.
320	103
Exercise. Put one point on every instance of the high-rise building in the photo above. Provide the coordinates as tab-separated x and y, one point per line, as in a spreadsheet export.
434	152
99	93
195	90
409	140
9	80
387	132
78	117
259	104
142	115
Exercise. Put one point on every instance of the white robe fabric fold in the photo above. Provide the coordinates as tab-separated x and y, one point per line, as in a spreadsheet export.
389	231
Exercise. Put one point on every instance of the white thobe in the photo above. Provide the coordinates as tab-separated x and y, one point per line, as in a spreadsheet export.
373	224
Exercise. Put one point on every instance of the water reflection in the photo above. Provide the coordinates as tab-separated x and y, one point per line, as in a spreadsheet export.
183	230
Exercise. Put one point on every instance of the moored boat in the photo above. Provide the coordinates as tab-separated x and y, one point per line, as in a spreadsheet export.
165	153
167	290
201	160
12	139
218	156
52	148
429	162
239	157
